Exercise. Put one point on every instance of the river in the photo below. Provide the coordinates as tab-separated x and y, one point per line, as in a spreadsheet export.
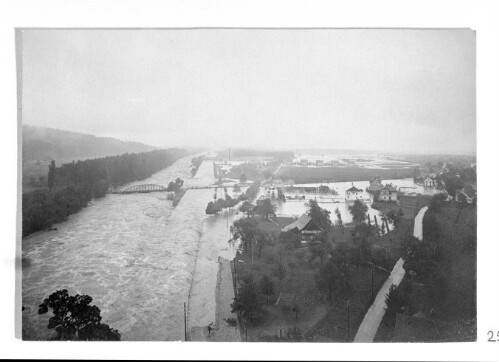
138	257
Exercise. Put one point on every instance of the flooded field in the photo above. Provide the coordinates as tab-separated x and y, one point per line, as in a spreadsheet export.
137	256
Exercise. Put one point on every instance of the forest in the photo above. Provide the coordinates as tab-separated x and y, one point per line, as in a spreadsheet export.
71	186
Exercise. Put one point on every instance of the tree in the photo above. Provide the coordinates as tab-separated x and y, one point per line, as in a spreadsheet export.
280	195
333	277
279	272
266	286
264	208
246	304
324	189
453	184
319	215
290	239
397	300
320	247
437	202
247	208
51	176
339	221
243	178
75	319
393	217
358	211
236	189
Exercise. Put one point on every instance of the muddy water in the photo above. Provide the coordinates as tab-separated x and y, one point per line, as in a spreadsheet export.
137	256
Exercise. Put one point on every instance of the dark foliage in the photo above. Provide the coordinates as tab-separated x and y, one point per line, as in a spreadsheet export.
73	185
75	319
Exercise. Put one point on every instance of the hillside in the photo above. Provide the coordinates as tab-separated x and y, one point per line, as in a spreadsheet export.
45	144
41	145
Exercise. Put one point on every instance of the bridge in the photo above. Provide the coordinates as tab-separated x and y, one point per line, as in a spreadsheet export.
143	189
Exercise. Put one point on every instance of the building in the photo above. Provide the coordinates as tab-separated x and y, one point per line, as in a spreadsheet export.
353	194
304	224
388	194
304	162
271	191
319	163
429	182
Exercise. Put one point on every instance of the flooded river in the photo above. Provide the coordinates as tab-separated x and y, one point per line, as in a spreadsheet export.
138	257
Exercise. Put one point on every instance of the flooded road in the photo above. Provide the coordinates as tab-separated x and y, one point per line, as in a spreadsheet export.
136	256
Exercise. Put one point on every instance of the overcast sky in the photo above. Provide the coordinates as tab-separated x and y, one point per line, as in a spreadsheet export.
384	90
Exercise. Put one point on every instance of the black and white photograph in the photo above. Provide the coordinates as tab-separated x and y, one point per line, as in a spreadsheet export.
311	186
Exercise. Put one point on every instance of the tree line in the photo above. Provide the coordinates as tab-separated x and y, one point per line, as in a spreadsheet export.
218	204
71	186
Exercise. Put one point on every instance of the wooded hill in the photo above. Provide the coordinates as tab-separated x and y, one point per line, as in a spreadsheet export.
45	144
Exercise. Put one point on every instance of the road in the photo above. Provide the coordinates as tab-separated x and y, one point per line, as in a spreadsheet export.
418	223
370	323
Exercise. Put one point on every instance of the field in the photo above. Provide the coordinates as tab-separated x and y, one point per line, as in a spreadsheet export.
339	174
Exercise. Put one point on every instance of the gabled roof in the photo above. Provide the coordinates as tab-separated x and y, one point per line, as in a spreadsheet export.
354	189
299	223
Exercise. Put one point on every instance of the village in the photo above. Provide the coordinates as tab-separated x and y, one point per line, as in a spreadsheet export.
313	256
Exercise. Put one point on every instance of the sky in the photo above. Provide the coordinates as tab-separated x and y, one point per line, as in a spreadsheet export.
387	90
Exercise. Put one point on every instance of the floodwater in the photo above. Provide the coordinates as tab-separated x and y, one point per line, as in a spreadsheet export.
138	257
295	207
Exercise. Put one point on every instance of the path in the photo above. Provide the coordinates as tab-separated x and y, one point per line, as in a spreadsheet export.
370	324
222	331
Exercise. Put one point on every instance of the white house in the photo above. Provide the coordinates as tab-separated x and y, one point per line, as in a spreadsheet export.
271	191
353	194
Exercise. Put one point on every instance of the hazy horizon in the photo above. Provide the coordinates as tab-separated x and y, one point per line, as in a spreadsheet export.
397	90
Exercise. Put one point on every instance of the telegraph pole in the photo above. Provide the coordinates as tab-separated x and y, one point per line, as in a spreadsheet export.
372	285
185	323
348	319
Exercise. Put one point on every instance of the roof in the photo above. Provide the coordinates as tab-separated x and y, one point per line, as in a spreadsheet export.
300	223
390	188
283	221
354	189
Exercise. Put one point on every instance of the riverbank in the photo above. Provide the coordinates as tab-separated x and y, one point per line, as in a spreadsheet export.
224	295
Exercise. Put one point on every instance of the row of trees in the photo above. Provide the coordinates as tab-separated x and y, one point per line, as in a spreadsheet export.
195	164
73	185
219	204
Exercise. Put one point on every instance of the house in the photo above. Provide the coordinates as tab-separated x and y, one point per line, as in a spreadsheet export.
304	162
319	163
304	224
388	193
429	182
271	191
353	194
